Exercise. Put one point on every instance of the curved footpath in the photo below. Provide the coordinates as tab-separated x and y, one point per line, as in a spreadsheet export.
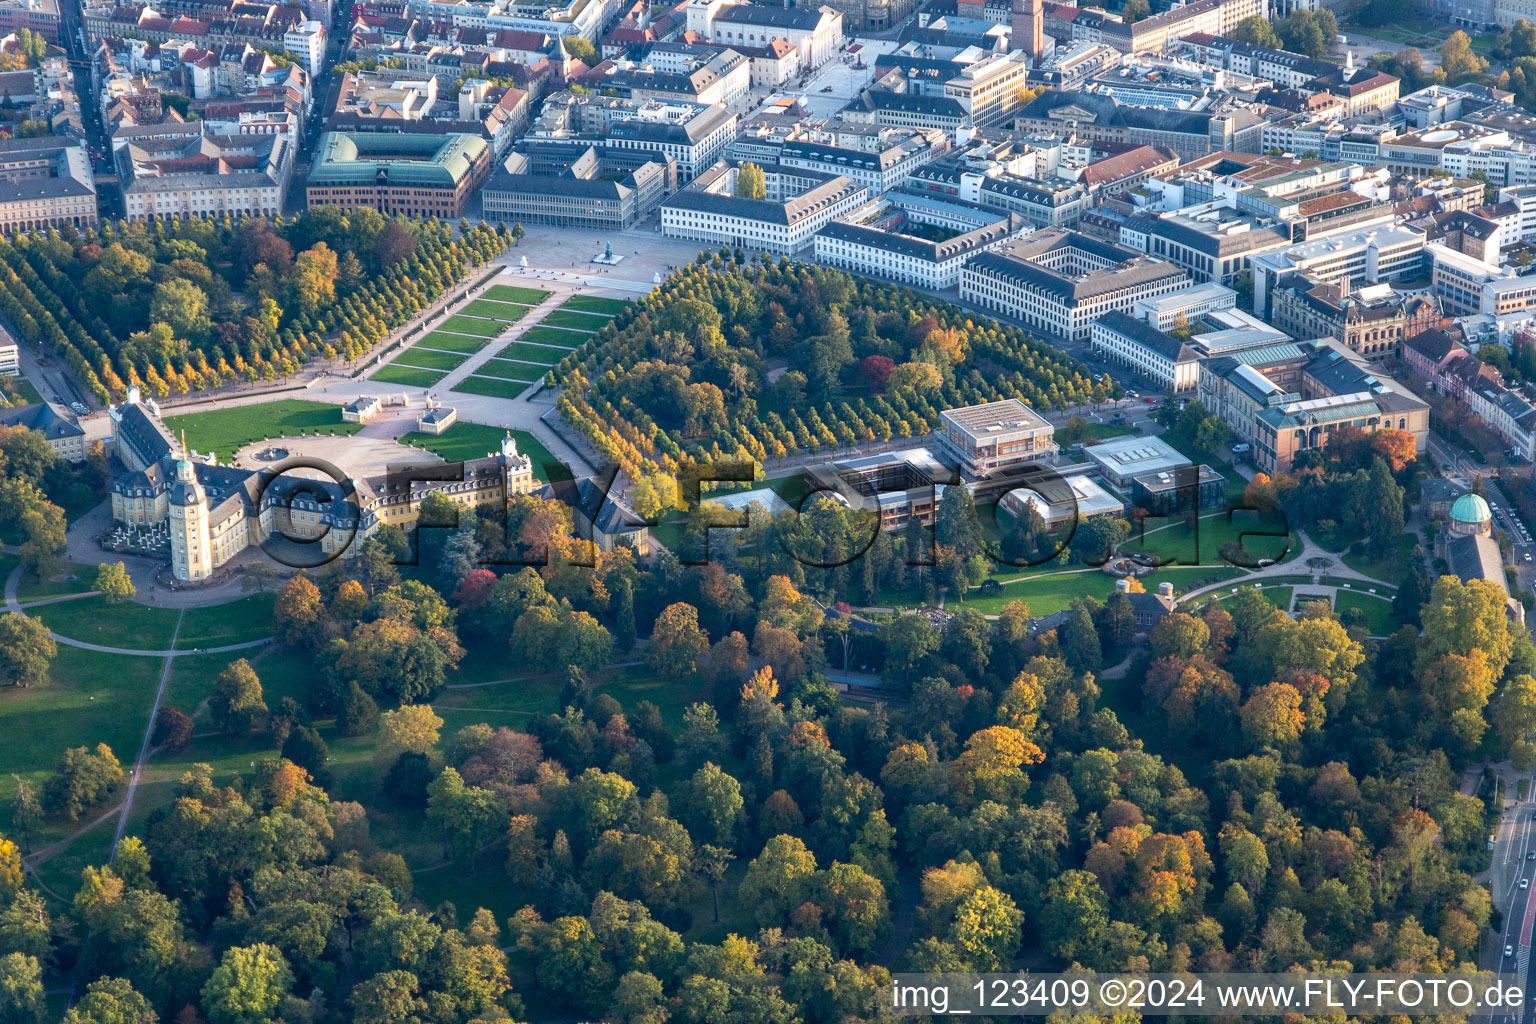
13	581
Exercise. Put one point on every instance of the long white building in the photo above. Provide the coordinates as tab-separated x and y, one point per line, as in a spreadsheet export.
1059	281
872	240
1361	257
798	204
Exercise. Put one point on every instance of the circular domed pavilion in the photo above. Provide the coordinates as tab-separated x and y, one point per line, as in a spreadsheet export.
1471	516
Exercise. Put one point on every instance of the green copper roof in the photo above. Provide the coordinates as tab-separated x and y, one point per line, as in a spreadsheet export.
1469	508
437	161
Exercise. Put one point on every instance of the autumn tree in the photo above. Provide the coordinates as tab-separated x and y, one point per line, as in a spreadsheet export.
677	642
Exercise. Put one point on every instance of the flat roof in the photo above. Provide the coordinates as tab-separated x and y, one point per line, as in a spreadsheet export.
986	422
1088	499
1135	455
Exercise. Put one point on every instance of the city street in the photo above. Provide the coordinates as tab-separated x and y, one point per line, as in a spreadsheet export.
1509	881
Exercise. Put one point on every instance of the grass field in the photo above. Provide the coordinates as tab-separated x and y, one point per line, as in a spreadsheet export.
504	369
249	618
515	293
1280	597
546	355
452	342
225	430
506	312
578	321
125	624
495	387
555	336
1178	540
1054	591
1393	569
595	304
471	325
408	375
66	578
428	358
40	722
1378	611
26	391
464	441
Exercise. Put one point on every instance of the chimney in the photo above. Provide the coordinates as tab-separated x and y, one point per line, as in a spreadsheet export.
1123	586
1165	591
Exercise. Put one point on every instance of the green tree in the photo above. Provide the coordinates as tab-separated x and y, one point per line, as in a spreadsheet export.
776	880
581	49
1257	31
414	728
749	182
468	816
236	701
710	805
81	778
112	580
390	997
987	928
21	989
248	986
26	649
111	1001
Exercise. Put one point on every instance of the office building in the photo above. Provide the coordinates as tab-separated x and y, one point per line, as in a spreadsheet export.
208	175
45	182
1059	281
421	175
798	204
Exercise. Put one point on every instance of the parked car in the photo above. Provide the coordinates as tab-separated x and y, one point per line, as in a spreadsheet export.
1240	448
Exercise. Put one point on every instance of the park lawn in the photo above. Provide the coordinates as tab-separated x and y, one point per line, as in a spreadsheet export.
1280	597
66	578
225	430
591	322
545	355
26	391
555	336
1177	539
1049	593
471	325
1092	431
408	375
249	618
596	304
506	312
493	387
506	369
464	441
452	342
540	695
1393	569
40	722
192	678
428	358
91	848
125	624
514	293
1379	620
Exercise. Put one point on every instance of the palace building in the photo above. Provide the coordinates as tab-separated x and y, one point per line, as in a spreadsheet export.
215	512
